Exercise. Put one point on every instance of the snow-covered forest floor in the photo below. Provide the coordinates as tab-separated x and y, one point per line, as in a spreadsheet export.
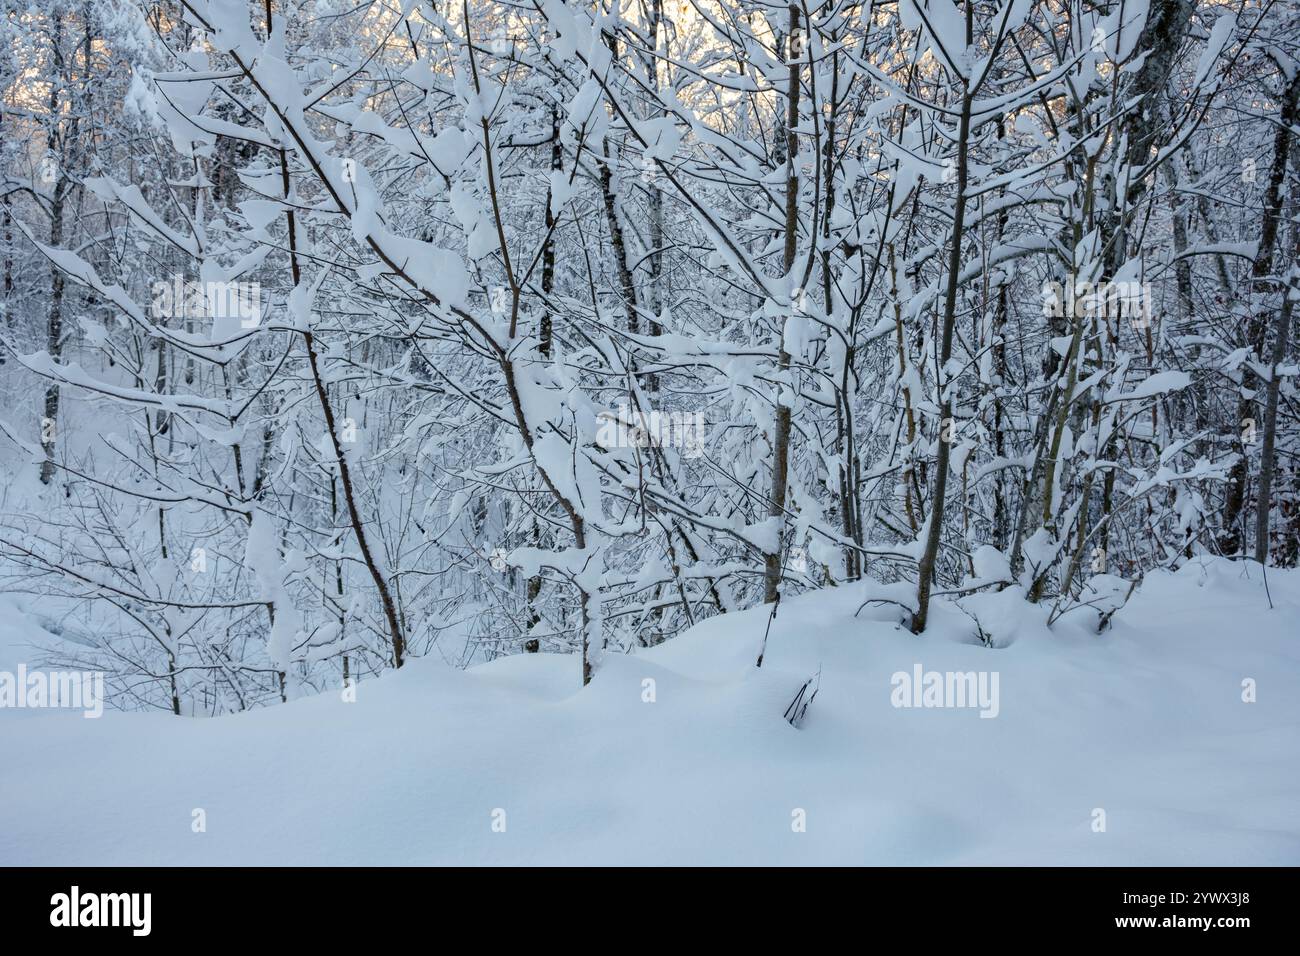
1145	722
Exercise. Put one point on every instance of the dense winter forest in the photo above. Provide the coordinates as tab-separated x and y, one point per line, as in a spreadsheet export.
336	333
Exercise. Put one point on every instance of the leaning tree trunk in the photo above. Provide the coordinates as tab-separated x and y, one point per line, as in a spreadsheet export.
1281	340
1231	539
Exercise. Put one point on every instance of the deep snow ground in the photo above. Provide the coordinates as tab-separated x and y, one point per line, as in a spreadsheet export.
1145	722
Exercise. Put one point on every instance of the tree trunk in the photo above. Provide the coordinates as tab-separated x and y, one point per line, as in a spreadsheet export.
934	529
1262	281
781	432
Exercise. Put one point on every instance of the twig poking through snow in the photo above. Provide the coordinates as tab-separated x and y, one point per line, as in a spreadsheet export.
771	617
799	706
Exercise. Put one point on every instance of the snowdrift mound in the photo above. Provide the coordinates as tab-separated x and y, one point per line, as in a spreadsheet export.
1140	745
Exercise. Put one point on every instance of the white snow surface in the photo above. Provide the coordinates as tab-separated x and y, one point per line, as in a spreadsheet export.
1145	721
